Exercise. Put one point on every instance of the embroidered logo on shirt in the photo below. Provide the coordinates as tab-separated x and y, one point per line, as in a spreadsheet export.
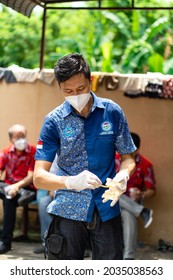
68	132
40	144
106	128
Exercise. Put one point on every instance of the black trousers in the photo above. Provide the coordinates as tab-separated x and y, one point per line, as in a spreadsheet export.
67	239
9	217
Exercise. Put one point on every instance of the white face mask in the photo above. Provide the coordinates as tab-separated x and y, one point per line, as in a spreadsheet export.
78	101
20	144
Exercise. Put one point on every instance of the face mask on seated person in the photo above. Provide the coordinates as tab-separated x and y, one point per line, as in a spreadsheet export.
20	144
78	101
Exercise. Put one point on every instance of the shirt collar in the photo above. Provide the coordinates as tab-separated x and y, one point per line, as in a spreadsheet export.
68	109
137	158
13	150
98	102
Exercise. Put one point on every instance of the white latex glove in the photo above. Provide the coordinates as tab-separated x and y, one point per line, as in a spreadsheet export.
117	186
84	180
122	177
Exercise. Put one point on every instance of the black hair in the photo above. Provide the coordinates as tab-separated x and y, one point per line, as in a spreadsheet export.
71	65
136	139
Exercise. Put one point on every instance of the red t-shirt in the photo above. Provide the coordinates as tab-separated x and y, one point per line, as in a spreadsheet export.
143	177
16	166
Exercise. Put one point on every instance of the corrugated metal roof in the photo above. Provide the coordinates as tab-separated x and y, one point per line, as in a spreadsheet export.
24	7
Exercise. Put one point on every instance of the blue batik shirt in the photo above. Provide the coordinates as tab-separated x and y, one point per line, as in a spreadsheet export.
84	144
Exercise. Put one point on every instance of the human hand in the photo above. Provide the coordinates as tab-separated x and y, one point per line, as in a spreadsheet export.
11	191
84	180
117	186
135	194
51	193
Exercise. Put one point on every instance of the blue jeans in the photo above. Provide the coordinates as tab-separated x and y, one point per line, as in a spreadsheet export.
130	234
68	239
45	218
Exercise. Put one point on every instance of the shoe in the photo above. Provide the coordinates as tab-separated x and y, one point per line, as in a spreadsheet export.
164	246
4	248
26	196
39	250
147	216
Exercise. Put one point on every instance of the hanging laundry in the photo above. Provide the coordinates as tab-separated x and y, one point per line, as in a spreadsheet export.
168	88
94	82
111	82
154	89
47	76
7	75
23	74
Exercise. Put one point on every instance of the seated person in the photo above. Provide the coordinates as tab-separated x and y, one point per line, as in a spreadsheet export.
17	161
140	186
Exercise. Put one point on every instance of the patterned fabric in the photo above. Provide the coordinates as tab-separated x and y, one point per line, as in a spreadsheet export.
154	89
168	88
16	165
143	177
84	143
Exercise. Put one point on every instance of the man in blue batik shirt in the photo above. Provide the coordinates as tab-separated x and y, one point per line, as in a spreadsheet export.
85	132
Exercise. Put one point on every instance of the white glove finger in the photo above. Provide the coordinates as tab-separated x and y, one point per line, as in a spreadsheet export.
106	193
96	179
105	200
89	186
107	196
94	182
112	197
89	174
113	202
108	181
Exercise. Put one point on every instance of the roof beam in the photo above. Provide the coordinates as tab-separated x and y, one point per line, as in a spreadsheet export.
109	8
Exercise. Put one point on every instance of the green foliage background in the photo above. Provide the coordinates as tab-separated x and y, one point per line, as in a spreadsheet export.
123	41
